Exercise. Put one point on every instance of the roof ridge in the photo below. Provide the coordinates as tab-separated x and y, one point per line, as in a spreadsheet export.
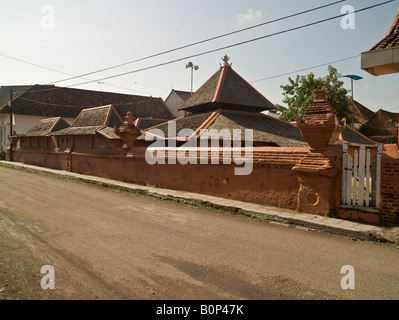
54	124
113	109
101	127
395	25
205	125
219	88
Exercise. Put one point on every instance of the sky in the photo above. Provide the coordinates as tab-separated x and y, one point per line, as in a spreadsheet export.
45	42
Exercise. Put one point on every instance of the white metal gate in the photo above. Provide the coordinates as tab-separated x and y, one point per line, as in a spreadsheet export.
361	178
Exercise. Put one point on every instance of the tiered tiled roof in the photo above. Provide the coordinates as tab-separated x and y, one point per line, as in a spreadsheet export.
228	90
227	102
266	129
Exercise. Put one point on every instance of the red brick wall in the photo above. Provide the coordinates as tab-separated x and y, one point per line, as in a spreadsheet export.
272	181
389	201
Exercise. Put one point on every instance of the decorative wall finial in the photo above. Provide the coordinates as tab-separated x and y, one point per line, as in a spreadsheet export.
129	118
128	132
319	125
320	96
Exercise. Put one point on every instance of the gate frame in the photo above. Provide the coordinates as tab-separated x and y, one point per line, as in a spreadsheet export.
372	173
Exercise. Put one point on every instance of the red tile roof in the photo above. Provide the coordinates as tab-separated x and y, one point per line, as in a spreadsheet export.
361	113
391	40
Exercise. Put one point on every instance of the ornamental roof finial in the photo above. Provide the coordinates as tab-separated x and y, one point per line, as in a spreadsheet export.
225	60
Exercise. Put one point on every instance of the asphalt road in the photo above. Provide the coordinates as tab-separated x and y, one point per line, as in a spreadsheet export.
104	244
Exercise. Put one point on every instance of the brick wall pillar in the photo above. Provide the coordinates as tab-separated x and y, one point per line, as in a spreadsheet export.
318	172
389	199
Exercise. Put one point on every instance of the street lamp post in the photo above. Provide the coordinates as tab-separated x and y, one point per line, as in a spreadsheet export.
193	67
353	78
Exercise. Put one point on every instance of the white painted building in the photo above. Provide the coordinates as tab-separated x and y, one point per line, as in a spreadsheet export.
21	124
175	100
5	117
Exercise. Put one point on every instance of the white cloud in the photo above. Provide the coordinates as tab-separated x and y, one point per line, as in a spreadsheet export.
249	16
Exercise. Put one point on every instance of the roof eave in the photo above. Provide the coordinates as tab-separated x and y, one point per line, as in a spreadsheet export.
380	62
227	106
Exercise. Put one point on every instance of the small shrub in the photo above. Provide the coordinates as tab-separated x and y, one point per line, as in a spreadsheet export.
2	155
332	213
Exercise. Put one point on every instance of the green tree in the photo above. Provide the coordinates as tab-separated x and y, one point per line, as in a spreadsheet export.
299	94
366	129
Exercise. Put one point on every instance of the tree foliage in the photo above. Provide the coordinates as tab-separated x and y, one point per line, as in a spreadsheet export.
299	94
366	129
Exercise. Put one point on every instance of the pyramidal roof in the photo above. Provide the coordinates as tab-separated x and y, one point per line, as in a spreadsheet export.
226	89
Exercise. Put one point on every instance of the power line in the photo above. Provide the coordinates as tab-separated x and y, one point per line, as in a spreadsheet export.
222	48
54	70
39	60
203	41
300	70
276	76
33	64
235	44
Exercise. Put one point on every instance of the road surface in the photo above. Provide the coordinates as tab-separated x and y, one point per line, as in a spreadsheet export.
104	244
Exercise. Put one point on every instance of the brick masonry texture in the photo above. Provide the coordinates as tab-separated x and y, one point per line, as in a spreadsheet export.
389	203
